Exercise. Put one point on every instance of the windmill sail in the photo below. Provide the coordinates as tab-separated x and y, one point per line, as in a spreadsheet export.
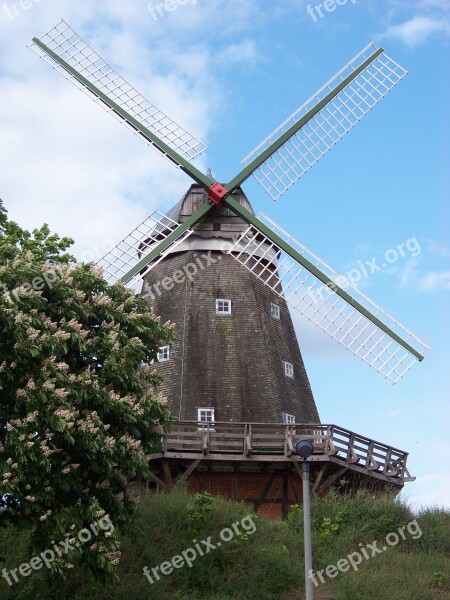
127	260
277	259
87	65
324	119
316	291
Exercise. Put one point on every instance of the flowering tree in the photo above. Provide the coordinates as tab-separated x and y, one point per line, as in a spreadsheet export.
2	213
79	408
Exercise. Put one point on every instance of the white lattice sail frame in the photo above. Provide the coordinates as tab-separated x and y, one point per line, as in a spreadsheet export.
129	252
322	305
71	47
288	164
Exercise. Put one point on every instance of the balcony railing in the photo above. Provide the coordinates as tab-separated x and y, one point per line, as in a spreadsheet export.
265	440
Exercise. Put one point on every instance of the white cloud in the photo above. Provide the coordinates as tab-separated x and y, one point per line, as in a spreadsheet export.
315	343
220	19
65	161
242	53
394	413
418	29
434	281
443	4
428	491
439	248
408	274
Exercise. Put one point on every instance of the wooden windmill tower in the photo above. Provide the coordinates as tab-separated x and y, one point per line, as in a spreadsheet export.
235	379
237	359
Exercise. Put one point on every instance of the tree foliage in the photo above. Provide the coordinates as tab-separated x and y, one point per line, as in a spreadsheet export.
3	213
79	408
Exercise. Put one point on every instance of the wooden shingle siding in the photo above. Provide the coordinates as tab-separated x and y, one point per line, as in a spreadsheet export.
233	363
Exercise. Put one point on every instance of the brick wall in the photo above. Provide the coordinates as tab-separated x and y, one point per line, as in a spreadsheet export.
285	490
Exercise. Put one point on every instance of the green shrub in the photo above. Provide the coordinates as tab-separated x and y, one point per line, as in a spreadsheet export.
266	565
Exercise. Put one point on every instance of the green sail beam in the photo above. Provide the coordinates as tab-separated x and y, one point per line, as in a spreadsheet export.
181	162
286	136
304	262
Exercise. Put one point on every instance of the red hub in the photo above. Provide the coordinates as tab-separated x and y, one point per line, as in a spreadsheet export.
216	192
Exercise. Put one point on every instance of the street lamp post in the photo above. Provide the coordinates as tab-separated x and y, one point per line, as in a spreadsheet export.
304	449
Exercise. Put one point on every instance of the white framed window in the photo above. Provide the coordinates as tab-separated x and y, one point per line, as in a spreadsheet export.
275	311
223	306
163	353
205	415
288	419
288	369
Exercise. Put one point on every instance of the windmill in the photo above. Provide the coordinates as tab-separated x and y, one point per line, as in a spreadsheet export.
269	263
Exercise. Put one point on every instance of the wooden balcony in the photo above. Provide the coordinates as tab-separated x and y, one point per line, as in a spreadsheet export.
254	446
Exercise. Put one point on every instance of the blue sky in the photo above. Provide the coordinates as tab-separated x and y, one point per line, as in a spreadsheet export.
231	71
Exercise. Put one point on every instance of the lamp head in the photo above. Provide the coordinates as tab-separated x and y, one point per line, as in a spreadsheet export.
304	449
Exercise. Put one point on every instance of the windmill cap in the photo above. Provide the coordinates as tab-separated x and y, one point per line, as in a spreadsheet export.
196	196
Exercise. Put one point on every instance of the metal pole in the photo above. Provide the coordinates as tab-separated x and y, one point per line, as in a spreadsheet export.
309	589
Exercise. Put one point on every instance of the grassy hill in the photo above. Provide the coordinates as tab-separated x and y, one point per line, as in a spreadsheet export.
260	560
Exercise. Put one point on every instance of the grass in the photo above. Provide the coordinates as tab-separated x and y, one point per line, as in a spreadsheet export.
265	565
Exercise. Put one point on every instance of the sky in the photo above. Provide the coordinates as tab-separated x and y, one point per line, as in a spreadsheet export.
230	71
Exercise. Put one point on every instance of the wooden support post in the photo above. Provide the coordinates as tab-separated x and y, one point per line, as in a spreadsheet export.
330	448
288	446
319	478
284	497
167	474
294	489
351	454
189	470
371	463
200	482
263	494
205	441
389	470
248	439
330	480
298	468
159	482
234	489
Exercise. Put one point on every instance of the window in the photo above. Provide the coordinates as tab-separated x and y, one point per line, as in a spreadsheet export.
288	419
223	307
288	369
205	415
275	311
163	354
